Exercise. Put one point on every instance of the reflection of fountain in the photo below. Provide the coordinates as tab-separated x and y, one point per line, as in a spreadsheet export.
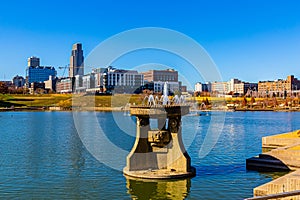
142	189
159	153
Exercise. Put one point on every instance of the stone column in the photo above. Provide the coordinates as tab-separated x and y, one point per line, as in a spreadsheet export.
141	156
178	159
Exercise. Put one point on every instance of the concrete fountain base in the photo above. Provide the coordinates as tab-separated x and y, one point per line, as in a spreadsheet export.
159	153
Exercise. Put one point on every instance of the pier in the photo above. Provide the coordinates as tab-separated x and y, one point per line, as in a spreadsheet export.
280	153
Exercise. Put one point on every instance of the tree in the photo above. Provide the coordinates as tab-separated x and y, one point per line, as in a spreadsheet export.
3	88
244	102
275	102
206	101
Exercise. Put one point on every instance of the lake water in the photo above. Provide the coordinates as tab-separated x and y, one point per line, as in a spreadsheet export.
42	157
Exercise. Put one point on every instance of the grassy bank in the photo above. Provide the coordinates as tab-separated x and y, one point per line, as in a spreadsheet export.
66	101
32	100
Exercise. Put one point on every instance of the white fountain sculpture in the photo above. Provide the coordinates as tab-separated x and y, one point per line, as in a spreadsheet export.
165	99
182	99
176	100
156	100
151	100
146	98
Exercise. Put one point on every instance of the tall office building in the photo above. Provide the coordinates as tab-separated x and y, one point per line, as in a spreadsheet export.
76	61
33	61
37	73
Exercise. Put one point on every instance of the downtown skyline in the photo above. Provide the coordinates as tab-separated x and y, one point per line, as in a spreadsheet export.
251	41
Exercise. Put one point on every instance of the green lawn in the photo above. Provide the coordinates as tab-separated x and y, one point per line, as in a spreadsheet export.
31	100
65	100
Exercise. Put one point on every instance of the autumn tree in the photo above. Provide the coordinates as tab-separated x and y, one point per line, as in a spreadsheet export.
3	88
244	102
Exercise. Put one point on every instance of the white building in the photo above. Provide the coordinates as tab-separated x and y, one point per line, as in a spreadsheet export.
158	86
122	81
203	87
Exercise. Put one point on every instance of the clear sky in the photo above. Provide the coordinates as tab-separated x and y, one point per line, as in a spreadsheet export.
250	40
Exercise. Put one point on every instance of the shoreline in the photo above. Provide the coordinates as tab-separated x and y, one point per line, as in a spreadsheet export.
283	149
123	109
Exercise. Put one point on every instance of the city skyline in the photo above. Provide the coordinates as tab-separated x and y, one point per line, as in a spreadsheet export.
251	41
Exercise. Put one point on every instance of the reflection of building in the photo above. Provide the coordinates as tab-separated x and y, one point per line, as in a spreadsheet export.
18	81
76	61
173	189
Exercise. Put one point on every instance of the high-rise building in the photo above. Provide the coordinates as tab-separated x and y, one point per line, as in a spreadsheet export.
33	61
37	73
76	61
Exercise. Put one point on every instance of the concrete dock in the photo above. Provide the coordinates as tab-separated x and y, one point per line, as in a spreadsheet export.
283	149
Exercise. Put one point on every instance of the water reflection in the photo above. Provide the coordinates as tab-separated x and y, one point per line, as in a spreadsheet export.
158	189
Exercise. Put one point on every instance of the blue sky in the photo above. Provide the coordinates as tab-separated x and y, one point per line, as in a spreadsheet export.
250	40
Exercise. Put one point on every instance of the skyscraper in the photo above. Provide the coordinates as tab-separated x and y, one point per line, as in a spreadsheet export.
33	61
76	61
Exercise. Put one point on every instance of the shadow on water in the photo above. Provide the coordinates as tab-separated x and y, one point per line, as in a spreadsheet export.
158	189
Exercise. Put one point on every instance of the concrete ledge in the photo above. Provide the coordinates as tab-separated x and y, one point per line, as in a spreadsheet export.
287	183
284	153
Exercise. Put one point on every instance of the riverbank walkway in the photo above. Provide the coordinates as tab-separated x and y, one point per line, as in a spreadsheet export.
285	148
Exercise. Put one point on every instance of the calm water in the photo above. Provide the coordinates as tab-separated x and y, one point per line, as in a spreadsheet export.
42	157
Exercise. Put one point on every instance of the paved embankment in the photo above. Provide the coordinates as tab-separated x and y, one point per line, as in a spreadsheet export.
285	148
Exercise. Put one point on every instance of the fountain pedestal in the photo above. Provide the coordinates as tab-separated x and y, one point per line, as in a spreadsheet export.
159	153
